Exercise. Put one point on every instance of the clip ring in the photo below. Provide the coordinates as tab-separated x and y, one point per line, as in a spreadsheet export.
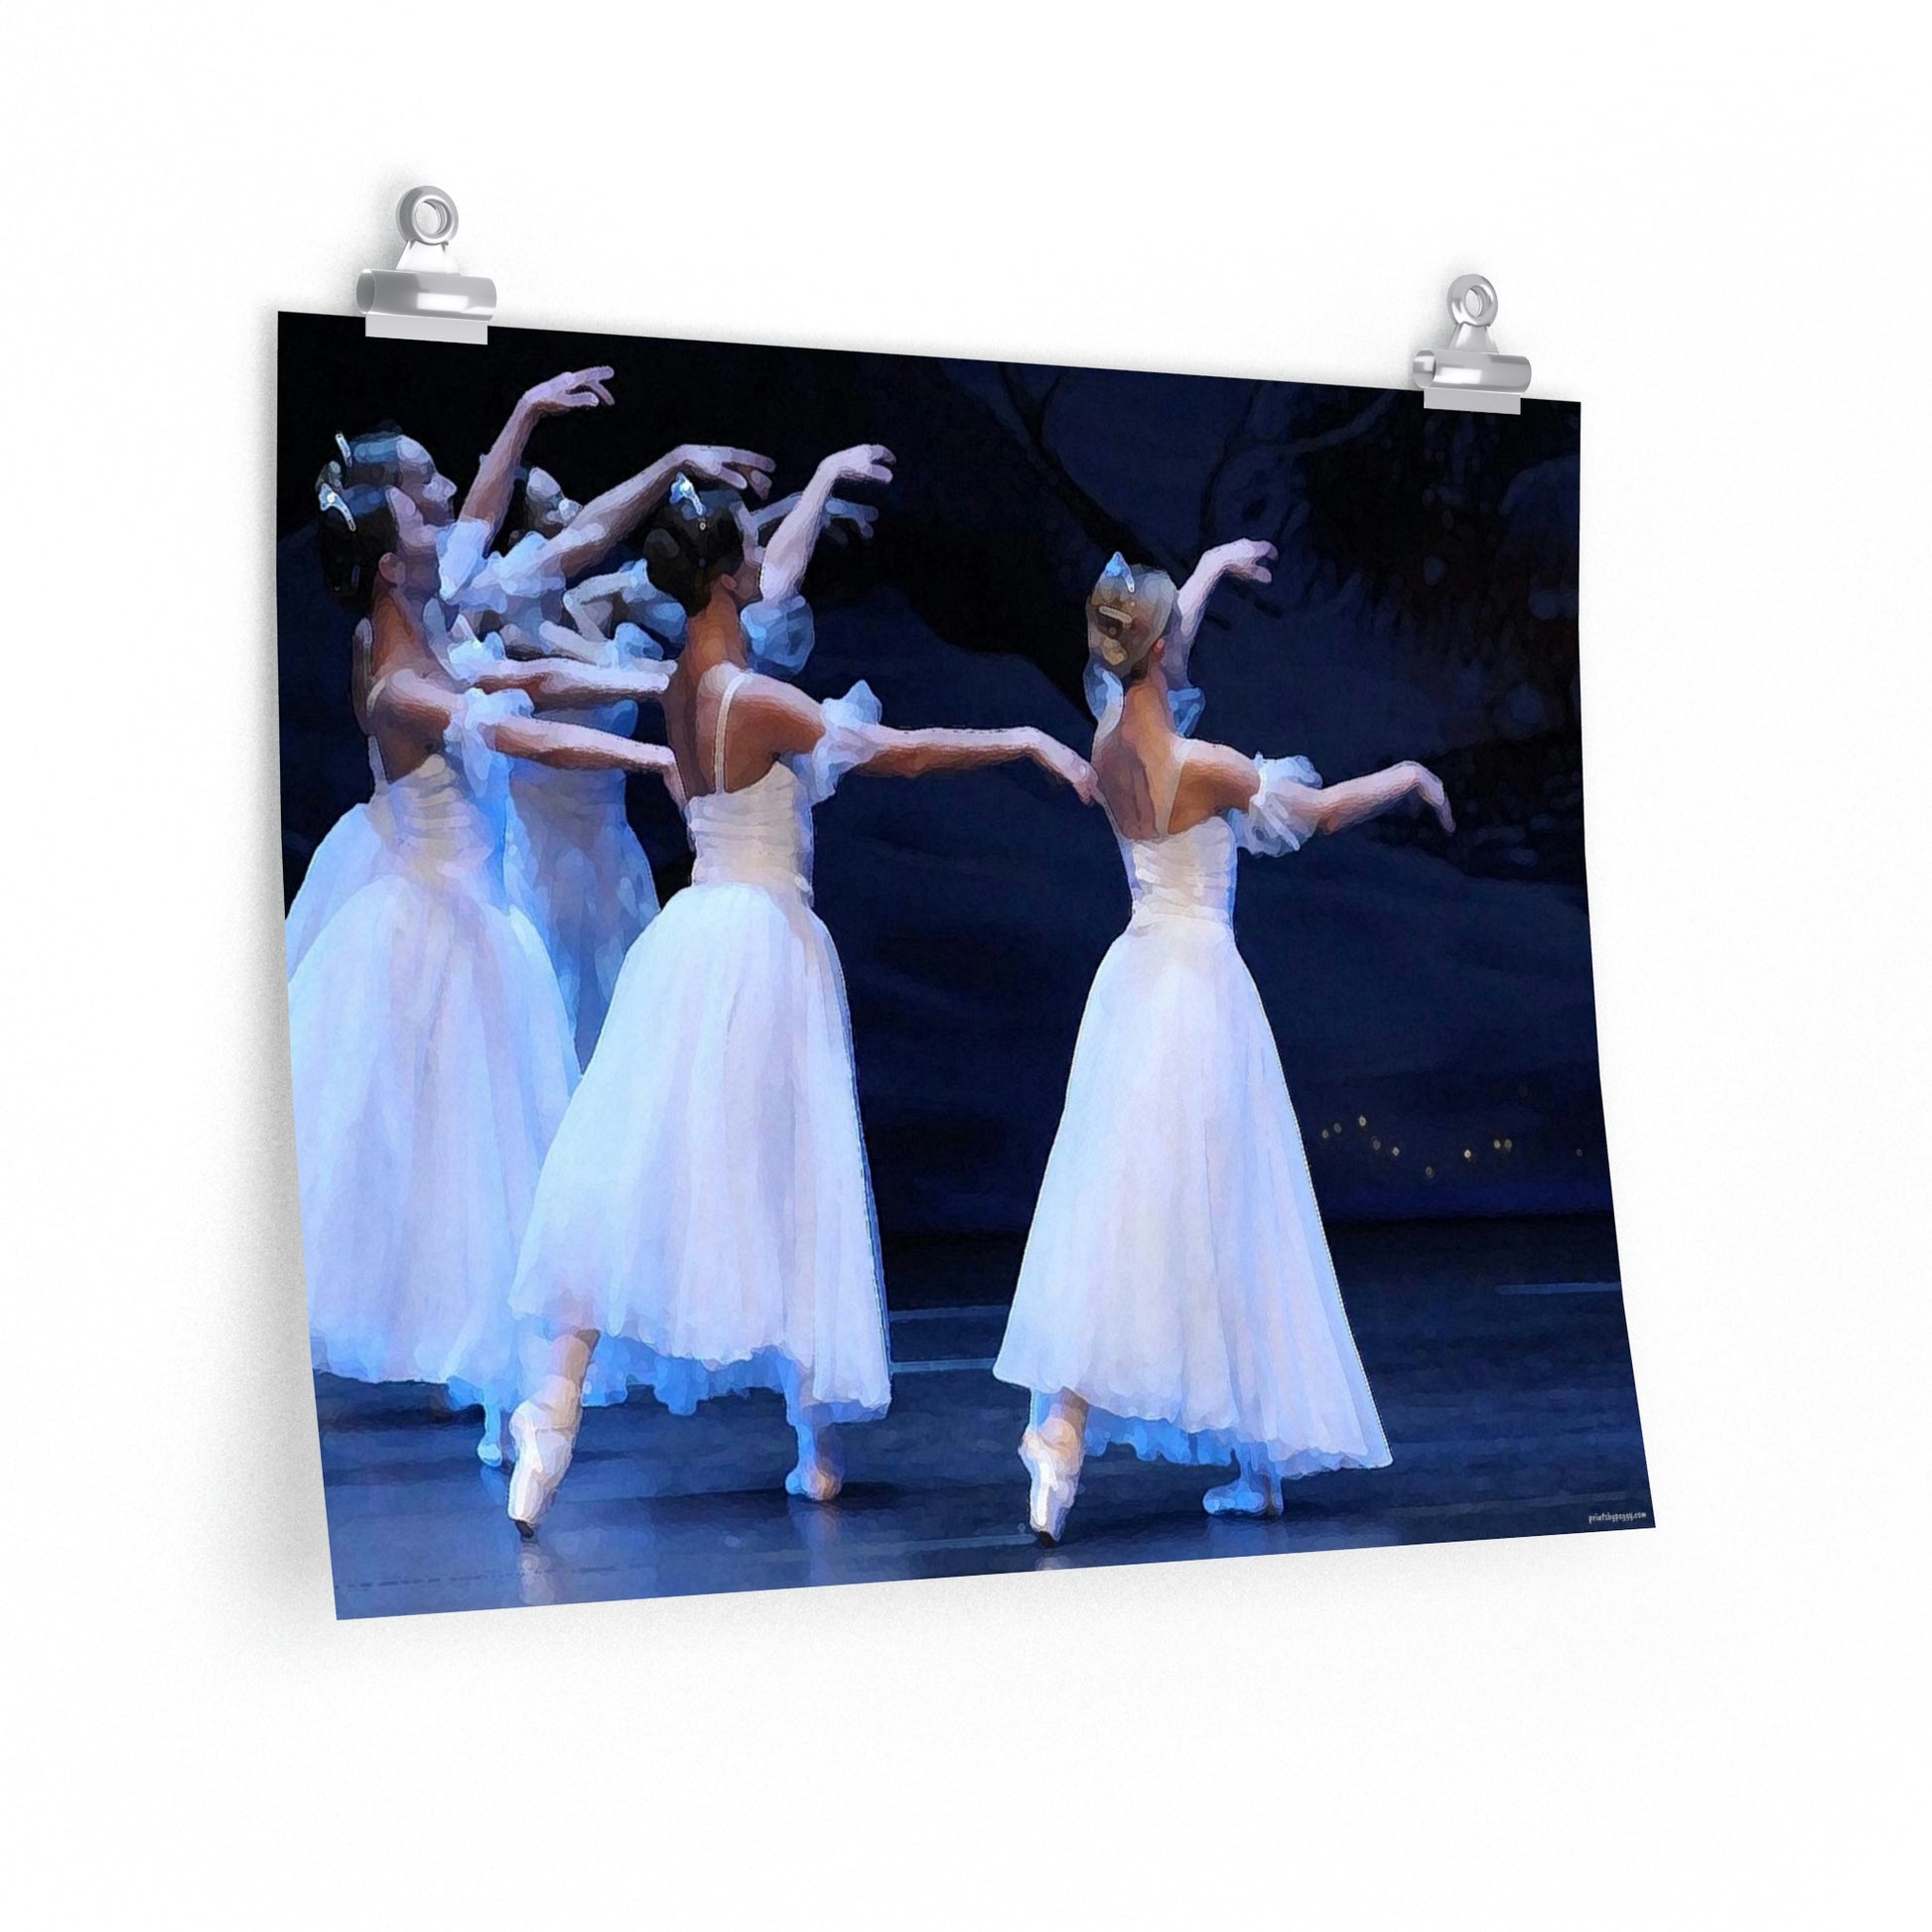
1471	300
427	216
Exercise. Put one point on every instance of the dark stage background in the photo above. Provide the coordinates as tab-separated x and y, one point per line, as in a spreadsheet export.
1432	997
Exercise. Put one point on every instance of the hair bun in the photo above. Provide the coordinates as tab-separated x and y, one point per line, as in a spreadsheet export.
692	540
356	529
1128	613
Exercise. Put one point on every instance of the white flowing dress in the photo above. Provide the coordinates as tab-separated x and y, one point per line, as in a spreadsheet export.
1176	1274
579	874
432	1065
575	868
356	848
707	1203
351	853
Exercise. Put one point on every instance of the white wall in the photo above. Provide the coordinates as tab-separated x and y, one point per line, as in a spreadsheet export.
1714	234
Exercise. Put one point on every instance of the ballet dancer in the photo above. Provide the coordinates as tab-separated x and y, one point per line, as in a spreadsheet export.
386	458
576	868
707	1200
606	605
1246	559
1177	1292
431	1054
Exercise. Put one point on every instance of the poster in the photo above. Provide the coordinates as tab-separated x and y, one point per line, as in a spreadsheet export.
905	967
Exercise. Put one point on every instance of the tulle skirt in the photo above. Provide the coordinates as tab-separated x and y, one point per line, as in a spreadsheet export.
582	880
1176	1274
432	1066
706	1204
353	852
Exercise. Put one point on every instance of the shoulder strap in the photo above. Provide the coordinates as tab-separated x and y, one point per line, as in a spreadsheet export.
1165	810
718	731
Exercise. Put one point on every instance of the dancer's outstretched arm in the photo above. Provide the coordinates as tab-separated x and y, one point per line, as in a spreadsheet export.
794	540
593	605
577	747
914	753
1334	808
412	704
585	541
490	494
1218	778
841	514
567	684
1247	558
784	722
550	640
597	605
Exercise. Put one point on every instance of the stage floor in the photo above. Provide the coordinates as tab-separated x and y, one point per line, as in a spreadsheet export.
1505	1389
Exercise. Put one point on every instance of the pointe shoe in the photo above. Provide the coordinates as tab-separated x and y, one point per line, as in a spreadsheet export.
820	1471
1253	1492
543	1444
495	1447
1055	1477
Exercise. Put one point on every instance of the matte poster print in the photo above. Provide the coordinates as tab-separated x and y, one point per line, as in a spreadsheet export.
900	968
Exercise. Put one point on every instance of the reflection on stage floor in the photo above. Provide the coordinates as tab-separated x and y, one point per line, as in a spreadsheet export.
1507	1392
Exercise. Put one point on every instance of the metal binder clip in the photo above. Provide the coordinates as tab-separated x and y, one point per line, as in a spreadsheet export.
424	299
1469	374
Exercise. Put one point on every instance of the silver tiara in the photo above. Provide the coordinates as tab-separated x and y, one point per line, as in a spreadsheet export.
328	499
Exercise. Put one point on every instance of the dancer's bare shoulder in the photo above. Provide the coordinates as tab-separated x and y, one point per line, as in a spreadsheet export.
773	717
1214	779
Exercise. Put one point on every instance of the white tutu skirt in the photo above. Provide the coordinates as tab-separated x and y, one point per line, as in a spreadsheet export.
579	875
706	1205
1176	1274
351	855
432	1065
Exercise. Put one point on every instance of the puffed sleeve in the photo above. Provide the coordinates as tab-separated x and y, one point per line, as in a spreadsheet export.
1104	691
631	644
510	581
1279	819
520	576
466	656
459	550
850	736
470	739
779	634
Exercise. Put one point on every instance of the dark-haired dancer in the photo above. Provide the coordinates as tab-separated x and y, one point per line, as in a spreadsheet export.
431	1057
1177	1292
576	868
606	606
707	1198
388	459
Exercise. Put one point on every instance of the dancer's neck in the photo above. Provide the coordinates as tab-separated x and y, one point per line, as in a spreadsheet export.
396	634
714	635
1144	708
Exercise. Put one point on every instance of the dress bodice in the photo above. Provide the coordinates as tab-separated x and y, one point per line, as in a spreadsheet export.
1182	875
1190	875
759	836
449	815
446	827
